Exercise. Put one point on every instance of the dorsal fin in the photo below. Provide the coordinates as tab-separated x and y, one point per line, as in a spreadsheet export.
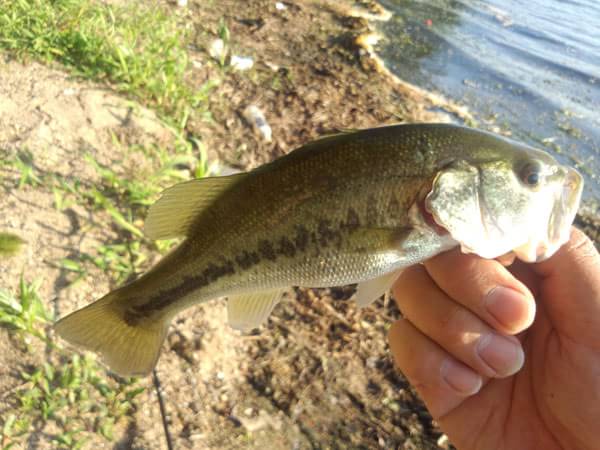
173	214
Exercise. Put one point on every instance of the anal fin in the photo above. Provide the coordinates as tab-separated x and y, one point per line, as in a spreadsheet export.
248	311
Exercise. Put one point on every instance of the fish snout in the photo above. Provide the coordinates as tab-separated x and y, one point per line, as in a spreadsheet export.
563	213
572	187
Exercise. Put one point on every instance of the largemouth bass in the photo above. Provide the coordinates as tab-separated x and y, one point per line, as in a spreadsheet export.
350	208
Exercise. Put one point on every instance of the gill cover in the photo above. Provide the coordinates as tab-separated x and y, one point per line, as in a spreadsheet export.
458	204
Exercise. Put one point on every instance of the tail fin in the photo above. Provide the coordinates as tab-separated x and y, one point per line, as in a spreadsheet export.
128	349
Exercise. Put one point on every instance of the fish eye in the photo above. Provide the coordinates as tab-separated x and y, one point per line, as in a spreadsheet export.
531	174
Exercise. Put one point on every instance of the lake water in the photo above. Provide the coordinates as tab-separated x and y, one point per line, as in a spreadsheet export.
528	67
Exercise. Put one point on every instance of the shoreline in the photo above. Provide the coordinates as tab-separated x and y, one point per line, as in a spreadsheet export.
588	217
492	94
367	42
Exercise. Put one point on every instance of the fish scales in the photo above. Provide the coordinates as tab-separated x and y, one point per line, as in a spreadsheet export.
270	231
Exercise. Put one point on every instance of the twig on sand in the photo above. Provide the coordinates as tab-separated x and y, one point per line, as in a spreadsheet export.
163	412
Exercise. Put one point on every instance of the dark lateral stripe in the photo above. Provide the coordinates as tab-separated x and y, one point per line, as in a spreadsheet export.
189	284
326	234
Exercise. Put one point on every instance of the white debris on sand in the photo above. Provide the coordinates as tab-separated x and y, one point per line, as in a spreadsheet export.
217	50
241	62
255	117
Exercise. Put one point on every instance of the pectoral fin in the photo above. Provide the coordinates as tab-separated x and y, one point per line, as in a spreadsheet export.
248	311
370	290
405	247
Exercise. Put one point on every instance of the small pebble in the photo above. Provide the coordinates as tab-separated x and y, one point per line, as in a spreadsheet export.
443	442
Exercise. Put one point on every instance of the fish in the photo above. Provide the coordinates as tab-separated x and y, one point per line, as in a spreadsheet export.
349	208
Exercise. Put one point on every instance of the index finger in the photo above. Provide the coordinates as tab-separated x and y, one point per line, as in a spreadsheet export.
486	288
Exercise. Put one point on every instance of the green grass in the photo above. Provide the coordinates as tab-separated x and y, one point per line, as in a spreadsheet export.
23	163
124	197
23	312
139	48
72	392
75	394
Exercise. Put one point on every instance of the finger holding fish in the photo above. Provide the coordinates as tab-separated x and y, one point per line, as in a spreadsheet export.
484	287
438	343
442	381
454	327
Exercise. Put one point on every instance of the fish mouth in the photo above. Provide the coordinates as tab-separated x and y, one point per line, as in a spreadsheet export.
563	213
429	219
426	215
566	208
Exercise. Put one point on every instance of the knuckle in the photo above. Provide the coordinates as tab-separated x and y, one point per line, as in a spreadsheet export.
409	285
420	372
456	321
401	286
466	275
461	333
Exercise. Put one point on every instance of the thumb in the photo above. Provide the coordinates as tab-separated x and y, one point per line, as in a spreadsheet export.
570	288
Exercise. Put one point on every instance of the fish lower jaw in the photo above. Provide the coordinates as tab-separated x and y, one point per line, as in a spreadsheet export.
536	251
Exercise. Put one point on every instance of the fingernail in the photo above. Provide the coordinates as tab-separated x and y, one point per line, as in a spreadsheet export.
509	307
460	378
502	353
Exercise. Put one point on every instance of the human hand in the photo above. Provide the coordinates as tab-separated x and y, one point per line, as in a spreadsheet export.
485	387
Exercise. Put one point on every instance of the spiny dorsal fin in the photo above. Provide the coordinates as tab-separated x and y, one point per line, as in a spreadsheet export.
172	215
248	311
